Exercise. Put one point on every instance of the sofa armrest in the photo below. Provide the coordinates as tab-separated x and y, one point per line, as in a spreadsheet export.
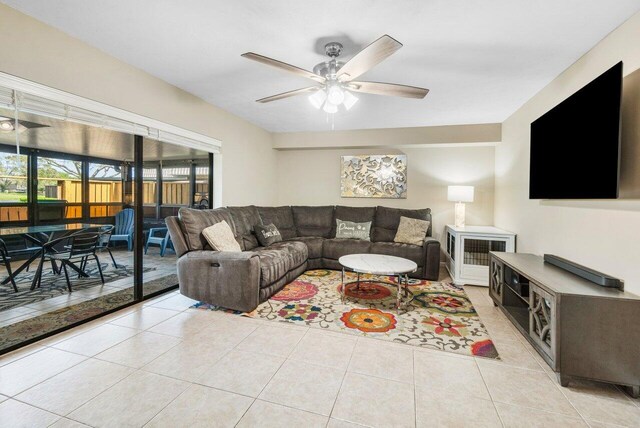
177	236
432	258
227	279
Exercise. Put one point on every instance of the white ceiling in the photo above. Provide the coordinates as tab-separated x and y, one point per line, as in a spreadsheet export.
482	59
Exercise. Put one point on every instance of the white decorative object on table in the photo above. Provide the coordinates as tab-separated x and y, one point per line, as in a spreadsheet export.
460	195
379	264
468	249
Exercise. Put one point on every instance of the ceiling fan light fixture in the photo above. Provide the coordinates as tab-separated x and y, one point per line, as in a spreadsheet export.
335	95
318	98
349	100
330	108
7	125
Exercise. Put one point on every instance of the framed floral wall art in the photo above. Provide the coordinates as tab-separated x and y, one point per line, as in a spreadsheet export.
373	176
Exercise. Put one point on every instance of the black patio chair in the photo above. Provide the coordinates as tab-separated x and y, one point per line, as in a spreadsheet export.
105	238
82	247
17	245
4	254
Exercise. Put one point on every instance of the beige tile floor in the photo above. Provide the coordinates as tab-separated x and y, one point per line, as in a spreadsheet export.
160	364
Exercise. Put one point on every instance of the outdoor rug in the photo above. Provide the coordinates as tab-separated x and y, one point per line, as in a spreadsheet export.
40	325
440	316
54	285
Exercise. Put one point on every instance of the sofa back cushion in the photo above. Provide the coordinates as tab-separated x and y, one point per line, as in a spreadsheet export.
281	217
194	221
387	220
353	214
313	221
244	219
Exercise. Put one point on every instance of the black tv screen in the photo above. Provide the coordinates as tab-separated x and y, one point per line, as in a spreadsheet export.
575	147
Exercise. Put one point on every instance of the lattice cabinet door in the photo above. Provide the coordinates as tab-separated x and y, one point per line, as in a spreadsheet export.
496	275
542	320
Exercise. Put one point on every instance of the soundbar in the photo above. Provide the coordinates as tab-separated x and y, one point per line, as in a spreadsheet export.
589	274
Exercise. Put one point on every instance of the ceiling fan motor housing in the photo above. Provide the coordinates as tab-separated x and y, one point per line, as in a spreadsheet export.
328	69
333	49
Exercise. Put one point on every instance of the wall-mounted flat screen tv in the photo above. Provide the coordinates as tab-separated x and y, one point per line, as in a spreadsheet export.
575	147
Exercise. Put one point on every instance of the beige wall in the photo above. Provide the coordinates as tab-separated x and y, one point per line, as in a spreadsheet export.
424	136
604	235
45	55
312	177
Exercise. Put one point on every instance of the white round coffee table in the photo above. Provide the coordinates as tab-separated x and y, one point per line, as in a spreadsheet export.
379	264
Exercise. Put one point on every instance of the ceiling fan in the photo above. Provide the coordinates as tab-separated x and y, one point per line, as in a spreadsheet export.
334	79
8	125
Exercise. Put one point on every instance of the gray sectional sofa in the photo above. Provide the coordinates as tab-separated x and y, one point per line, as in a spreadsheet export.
242	280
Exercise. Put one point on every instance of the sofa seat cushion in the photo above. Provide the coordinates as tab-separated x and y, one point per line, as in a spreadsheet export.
281	217
314	245
336	248
313	221
297	251
193	222
278	259
407	251
387	221
244	218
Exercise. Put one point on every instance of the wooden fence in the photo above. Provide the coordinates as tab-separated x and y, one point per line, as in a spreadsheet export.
172	193
71	191
14	214
104	192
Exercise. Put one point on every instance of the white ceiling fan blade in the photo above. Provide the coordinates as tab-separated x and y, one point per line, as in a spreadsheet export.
288	94
283	66
390	89
369	57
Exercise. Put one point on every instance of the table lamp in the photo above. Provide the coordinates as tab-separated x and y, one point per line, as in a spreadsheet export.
460	195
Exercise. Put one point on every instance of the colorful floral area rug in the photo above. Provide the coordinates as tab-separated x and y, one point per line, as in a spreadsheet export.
440	315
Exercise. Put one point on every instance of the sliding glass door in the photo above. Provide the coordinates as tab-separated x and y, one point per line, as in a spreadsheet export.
61	177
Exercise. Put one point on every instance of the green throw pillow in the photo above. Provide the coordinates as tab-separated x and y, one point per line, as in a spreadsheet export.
352	230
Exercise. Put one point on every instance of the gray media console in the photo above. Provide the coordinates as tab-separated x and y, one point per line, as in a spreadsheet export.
580	329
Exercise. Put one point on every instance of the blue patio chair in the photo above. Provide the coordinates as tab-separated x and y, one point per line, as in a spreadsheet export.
159	236
123	230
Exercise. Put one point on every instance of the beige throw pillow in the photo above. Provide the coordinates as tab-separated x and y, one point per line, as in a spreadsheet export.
411	231
220	237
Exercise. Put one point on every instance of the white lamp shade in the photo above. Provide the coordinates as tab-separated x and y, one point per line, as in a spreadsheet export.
330	108
349	100
460	193
317	99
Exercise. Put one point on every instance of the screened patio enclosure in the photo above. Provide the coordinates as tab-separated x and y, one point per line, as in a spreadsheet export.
65	177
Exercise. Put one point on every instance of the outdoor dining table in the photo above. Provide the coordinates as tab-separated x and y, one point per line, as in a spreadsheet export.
43	237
